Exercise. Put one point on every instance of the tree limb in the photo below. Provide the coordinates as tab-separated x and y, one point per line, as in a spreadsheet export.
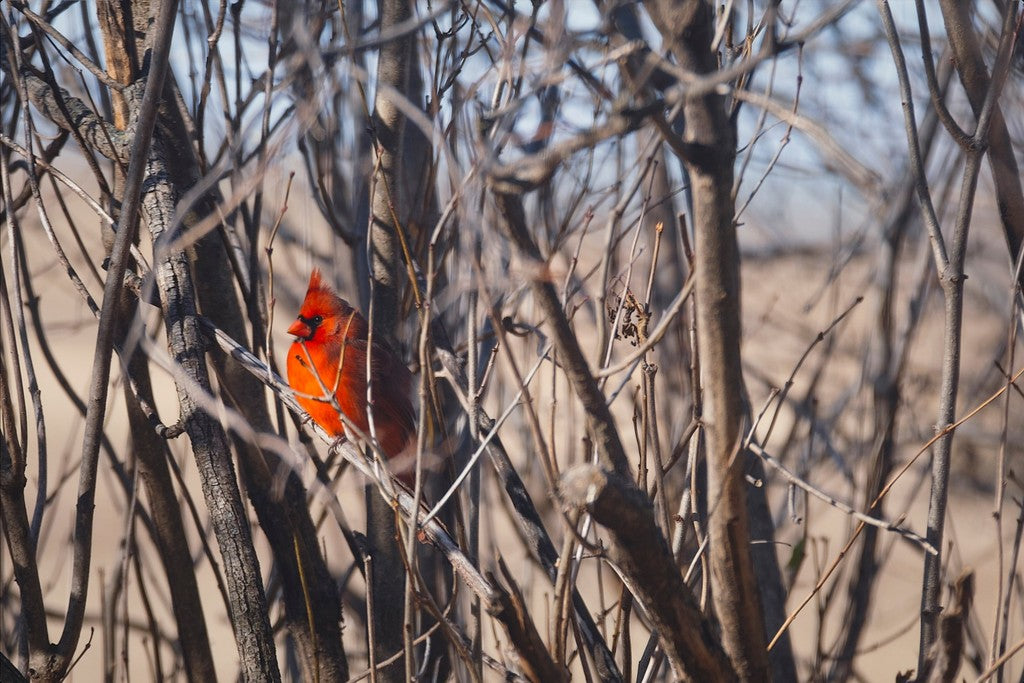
687	27
642	557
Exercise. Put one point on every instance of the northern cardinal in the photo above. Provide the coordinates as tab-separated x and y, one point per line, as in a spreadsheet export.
335	334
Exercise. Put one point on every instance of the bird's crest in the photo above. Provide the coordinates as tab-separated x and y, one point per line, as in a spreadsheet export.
321	295
315	281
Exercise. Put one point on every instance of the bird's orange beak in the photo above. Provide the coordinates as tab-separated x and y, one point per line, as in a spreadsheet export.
300	329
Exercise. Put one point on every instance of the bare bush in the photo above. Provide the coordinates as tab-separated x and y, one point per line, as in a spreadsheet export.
713	310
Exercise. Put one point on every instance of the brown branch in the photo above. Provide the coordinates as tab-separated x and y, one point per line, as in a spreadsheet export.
600	424
16	526
388	128
510	609
20	542
645	564
385	244
531	526
970	65
687	27
46	27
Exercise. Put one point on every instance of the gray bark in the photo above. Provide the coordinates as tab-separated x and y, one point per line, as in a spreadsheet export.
385	257
168	531
250	616
970	66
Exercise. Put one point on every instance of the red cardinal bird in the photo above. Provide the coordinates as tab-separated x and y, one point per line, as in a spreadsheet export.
335	334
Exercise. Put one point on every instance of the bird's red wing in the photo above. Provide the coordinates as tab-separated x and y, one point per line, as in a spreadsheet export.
393	415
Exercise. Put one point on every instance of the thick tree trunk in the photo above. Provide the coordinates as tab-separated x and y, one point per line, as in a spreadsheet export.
248	603
169	532
151	450
385	263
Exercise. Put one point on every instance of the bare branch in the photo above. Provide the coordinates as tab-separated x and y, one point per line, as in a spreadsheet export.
710	139
141	135
511	611
641	556
839	505
599	419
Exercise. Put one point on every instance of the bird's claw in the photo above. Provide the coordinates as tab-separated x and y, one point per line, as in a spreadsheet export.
336	444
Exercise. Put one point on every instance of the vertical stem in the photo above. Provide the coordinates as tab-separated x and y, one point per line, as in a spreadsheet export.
953	291
126	229
709	152
388	126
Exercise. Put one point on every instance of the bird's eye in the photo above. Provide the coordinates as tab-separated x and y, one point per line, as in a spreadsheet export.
317	319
